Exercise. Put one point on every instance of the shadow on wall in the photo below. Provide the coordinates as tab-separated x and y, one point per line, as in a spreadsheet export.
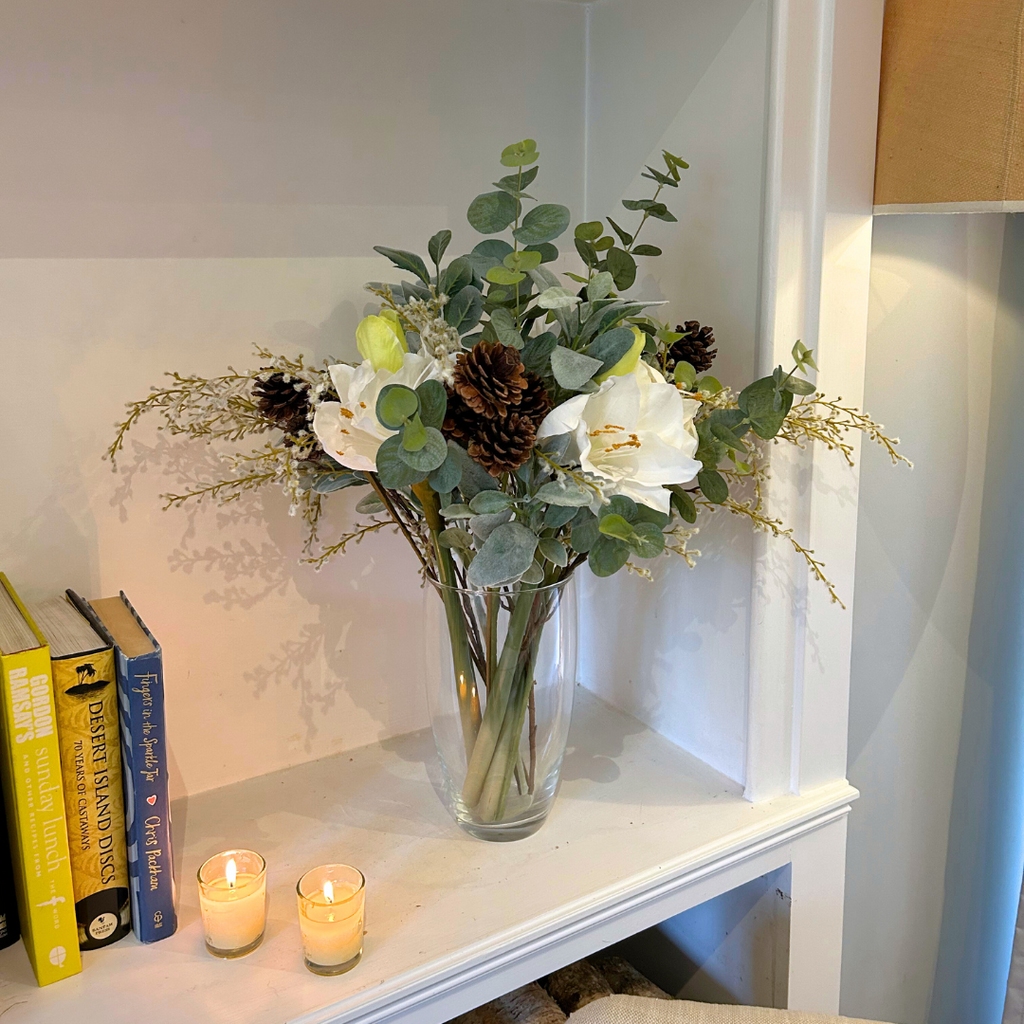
986	840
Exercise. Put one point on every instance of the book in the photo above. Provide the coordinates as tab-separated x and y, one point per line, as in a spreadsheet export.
85	694
140	684
34	795
10	931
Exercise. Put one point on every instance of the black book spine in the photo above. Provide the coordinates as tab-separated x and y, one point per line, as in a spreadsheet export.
10	931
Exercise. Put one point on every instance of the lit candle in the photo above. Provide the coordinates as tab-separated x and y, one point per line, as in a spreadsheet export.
233	901
331	901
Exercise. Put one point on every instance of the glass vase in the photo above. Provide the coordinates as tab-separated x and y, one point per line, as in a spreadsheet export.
500	679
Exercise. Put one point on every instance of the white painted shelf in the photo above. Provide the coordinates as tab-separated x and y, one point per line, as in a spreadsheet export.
451	921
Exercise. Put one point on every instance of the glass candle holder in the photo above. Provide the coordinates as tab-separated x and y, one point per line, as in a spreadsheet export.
331	901
233	901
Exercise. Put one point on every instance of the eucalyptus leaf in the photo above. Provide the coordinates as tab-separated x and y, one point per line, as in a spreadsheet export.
543	278
483	525
456	276
556	298
474	477
537	352
647	541
447	476
565	492
487	502
556	445
600	286
624	236
589	230
620	505
522	259
394	472
505	328
327	483
685	374
456	512
437	245
604	243
587	252
556	516
548	252
607	556
488	253
370	505
542	224
455	537
406	261
430	455
492	212
645	250
504	557
433	403
684	504
513	183
395	405
584	531
413	435
799	386
615	526
519	154
622	267
713	486
533	575
573	369
502	275
611	346
464	309
765	406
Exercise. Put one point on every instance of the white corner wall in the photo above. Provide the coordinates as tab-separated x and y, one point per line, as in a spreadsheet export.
934	300
698	67
179	182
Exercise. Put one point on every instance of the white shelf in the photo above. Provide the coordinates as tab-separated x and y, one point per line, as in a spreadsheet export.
451	921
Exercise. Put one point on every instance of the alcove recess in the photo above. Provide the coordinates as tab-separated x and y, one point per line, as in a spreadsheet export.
231	166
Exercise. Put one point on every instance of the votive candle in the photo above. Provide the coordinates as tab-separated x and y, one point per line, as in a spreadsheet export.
331	903
233	902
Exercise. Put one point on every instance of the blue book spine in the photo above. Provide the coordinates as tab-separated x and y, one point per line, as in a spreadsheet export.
147	808
140	686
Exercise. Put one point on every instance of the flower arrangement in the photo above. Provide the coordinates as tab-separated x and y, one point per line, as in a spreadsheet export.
513	427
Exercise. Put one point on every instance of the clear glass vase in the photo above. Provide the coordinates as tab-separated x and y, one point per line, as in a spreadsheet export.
500	679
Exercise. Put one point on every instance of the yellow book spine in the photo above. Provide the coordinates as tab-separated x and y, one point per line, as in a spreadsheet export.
35	812
85	690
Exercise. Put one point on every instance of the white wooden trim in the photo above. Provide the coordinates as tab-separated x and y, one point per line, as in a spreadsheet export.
823	100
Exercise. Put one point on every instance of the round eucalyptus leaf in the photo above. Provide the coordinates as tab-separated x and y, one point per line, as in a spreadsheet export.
394	472
523	259
505	556
554	551
413	434
519	154
395	404
542	224
492	212
589	230
615	526
487	502
502	275
607	556
433	403
430	456
647	540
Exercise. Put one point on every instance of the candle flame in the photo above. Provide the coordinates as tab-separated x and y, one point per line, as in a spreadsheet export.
230	872
329	891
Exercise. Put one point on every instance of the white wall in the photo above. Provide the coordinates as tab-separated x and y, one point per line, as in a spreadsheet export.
180	181
698	66
934	299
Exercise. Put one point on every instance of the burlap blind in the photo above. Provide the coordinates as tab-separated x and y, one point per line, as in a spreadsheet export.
951	109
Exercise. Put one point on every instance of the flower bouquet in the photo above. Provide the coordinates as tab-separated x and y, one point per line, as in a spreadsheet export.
512	423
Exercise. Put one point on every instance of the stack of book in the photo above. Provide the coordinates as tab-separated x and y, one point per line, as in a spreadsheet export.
84	770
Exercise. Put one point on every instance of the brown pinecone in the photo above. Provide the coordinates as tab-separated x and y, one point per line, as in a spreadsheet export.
536	402
460	422
503	445
695	347
490	378
284	401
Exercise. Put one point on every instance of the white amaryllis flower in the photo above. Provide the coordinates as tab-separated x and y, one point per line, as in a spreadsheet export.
634	435
349	429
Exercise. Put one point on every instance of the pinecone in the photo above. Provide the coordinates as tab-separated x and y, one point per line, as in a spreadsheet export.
695	347
490	378
503	445
284	401
460	422
536	402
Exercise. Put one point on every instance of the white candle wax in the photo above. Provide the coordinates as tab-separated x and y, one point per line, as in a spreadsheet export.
233	901
331	901
234	916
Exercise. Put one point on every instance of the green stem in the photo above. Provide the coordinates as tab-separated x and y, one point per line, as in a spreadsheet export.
462	655
498	698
